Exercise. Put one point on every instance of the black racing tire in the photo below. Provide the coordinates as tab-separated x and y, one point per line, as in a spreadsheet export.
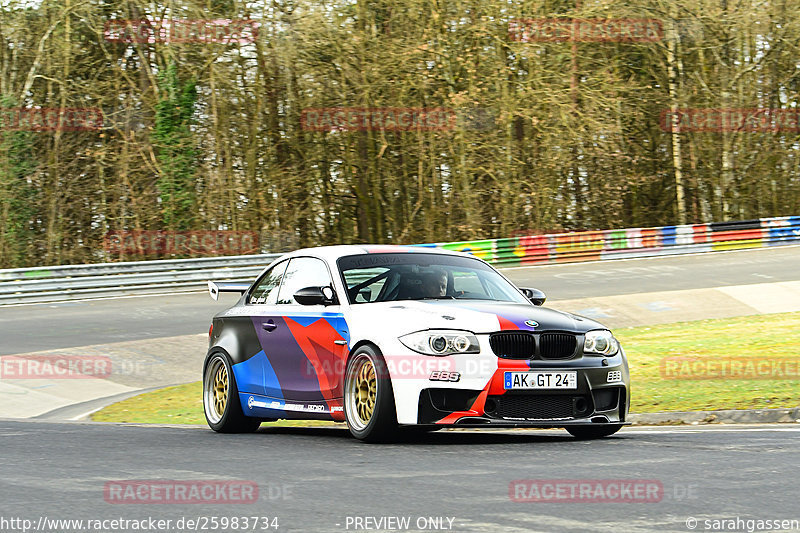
369	407
221	403
593	432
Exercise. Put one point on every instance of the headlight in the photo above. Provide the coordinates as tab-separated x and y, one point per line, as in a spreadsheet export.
601	342
441	342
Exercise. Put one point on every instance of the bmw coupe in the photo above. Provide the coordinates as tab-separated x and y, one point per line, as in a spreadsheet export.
388	337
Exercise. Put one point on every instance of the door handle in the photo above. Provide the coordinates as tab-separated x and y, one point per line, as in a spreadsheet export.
269	325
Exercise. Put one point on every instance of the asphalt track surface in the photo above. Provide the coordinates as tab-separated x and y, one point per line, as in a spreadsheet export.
320	479
314	479
28	328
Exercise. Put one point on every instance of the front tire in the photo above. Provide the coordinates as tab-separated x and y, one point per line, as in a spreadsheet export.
221	403
593	432
368	397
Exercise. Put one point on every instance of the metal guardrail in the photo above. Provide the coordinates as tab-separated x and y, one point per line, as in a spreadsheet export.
71	282
102	269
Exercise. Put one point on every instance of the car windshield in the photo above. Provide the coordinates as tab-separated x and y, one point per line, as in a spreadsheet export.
422	276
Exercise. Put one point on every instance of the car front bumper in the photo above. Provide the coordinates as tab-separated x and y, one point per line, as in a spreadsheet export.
431	395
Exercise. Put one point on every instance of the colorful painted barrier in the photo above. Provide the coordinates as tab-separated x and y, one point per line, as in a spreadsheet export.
632	242
73	282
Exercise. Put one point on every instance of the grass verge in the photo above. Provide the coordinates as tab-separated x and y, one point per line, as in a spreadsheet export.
767	342
181	404
704	345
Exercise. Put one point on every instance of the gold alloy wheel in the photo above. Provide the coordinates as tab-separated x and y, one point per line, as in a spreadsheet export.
366	391
220	389
216	383
362	392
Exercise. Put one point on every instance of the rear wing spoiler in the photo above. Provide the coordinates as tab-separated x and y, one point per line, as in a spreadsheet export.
216	287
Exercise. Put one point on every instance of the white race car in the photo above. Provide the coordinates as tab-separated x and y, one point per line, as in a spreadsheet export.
389	337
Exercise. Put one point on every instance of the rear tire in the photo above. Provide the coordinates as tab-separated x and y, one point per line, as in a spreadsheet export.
593	432
221	403
369	407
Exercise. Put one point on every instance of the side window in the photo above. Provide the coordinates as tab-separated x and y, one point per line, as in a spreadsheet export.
266	292
303	272
374	278
467	282
496	291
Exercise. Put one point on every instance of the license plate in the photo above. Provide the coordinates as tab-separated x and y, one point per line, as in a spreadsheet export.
541	380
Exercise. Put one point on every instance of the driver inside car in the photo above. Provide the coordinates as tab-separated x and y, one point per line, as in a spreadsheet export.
434	284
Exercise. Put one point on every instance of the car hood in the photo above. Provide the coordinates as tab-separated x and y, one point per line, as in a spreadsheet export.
473	315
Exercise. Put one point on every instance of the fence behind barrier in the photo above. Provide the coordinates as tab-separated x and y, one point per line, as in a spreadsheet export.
632	242
69	282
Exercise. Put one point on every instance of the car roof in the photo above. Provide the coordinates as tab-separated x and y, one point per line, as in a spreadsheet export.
332	253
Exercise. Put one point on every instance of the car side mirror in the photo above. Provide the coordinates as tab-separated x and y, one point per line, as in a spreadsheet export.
536	296
315	296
